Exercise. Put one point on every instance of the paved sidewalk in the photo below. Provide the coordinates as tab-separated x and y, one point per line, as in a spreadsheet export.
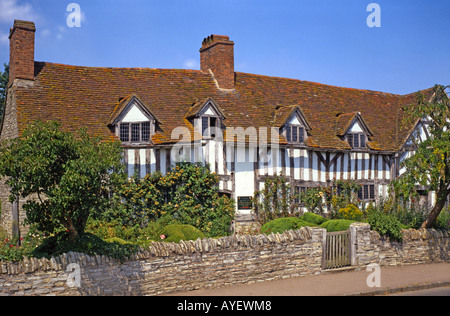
351	282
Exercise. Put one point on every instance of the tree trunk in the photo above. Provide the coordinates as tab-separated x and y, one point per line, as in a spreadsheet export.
73	233
440	203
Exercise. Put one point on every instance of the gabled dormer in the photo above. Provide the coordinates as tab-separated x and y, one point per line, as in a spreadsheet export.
133	122
352	129
207	117
294	125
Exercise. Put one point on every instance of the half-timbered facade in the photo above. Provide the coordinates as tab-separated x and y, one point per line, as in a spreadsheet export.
247	127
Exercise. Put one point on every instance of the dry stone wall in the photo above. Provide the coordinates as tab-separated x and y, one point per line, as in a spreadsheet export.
170	267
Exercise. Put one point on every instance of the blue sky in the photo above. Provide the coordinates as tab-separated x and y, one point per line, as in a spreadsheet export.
326	41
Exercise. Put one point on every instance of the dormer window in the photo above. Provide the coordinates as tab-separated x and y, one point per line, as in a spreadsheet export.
133	122
207	118
351	127
295	128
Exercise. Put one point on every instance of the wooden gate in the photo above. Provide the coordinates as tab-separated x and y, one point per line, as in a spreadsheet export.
336	250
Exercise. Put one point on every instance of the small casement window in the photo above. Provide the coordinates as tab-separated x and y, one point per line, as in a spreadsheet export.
356	140
209	123
295	134
298	191
135	132
367	192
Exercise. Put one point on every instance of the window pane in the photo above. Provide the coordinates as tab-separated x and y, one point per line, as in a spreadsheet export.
295	134
288	134
145	129
372	192
363	140
213	124
355	141
135	132
124	132
301	135
205	125
350	139
366	192
360	194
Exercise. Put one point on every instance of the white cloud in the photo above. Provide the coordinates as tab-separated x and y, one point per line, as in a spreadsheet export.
190	64
12	9
4	38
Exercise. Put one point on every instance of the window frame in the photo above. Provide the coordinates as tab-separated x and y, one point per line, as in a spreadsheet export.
367	192
145	134
206	131
289	133
361	140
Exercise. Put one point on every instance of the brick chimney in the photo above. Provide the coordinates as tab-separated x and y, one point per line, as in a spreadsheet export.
21	51
217	55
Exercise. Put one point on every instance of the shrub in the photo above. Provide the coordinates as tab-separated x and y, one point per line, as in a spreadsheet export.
443	220
16	249
385	224
337	225
351	212
86	243
313	218
175	233
189	194
280	225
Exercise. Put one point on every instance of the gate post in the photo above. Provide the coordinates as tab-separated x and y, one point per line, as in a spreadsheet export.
324	248
353	244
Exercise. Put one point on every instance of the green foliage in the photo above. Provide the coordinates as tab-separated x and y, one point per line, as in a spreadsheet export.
429	167
16	249
312	199
443	220
188	194
343	193
4	78
313	218
337	225
175	233
385	224
280	225
276	200
86	243
71	175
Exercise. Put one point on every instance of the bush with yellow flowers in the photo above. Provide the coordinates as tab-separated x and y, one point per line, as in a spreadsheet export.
188	193
351	212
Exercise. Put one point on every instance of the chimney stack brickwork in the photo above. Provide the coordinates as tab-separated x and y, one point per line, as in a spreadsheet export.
217	55
21	53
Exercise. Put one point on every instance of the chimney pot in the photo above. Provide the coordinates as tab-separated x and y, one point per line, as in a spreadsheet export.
21	50
217	55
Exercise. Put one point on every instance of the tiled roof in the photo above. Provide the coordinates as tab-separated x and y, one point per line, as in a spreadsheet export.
90	96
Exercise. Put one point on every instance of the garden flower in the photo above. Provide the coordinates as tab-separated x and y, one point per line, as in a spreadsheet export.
162	237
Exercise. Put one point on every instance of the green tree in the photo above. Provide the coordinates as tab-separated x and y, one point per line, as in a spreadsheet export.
4	78
430	165
67	175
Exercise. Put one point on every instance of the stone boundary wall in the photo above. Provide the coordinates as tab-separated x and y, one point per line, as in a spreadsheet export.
418	246
170	267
